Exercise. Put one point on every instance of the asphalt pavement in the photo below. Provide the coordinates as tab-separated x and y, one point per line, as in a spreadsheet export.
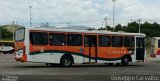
11	70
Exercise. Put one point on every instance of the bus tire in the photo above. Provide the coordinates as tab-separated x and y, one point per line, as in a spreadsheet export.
66	61
125	61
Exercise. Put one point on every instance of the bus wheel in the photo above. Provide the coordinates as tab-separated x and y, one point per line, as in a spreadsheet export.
125	61
66	61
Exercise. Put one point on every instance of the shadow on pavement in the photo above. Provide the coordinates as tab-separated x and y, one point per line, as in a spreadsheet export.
78	66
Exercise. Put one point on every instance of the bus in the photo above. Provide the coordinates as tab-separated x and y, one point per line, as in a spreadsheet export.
67	47
155	47
7	46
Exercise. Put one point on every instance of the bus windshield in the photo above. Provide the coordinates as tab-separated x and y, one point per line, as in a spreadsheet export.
19	34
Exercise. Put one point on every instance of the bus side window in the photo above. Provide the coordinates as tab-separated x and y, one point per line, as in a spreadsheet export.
128	41
74	40
104	41
90	41
117	41
57	39
39	38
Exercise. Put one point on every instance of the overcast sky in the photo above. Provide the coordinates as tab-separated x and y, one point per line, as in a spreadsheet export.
79	12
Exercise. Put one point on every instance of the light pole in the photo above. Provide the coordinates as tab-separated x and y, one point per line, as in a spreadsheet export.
30	7
69	23
13	34
139	25
105	20
0	34
113	12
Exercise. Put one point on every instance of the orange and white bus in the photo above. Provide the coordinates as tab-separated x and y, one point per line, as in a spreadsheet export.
155	47
66	47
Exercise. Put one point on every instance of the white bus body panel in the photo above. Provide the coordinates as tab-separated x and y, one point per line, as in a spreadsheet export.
52	58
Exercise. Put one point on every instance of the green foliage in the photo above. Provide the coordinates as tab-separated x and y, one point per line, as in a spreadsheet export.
6	31
150	29
132	27
106	28
5	34
118	27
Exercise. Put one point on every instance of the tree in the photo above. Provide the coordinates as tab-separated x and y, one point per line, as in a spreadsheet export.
5	34
118	27
150	29
133	27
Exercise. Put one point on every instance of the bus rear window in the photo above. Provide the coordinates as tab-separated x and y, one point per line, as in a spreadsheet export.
19	34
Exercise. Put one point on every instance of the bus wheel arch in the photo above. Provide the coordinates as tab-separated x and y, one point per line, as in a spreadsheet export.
126	59
66	60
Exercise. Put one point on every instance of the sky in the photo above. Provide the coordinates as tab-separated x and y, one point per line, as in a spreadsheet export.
89	13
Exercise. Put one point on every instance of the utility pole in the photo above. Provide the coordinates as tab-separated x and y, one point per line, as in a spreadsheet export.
139	25
30	7
113	12
69	23
13	34
105	20
0	34
13	22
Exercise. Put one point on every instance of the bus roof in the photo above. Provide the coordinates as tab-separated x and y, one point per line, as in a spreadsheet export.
87	31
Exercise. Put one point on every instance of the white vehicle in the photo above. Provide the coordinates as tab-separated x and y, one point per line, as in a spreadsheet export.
7	46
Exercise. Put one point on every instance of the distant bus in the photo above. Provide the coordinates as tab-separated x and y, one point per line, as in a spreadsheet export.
66	47
155	47
7	46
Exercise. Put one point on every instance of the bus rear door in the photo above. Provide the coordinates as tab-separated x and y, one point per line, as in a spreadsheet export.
140	48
